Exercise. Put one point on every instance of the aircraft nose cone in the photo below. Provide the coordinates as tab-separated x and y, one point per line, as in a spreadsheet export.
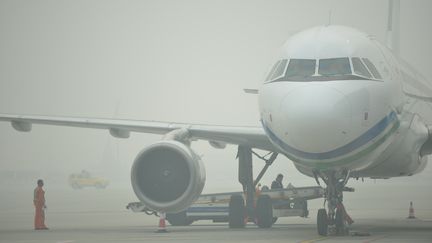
316	119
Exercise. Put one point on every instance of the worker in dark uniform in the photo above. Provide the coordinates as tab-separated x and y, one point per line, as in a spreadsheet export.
277	183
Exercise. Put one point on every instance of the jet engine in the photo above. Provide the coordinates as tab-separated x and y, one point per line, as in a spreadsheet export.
167	176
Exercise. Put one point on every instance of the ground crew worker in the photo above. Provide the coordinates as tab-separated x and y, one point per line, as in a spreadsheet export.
277	183
258	191
39	203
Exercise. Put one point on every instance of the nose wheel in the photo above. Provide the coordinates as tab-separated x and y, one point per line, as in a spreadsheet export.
335	220
322	222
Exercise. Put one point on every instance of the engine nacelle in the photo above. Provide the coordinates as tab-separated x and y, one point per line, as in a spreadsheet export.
167	176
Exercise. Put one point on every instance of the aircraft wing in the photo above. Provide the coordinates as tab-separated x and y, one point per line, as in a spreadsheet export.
217	135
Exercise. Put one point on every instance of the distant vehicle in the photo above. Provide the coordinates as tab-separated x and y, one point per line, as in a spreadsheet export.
85	179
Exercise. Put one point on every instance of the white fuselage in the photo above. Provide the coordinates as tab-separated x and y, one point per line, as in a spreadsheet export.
325	107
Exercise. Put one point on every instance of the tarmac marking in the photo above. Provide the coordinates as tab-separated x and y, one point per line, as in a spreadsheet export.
375	239
315	240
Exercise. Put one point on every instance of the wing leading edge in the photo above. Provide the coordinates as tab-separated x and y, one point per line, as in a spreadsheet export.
253	137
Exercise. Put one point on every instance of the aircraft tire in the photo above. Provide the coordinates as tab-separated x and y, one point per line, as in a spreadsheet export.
178	219
339	223
236	217
264	211
322	222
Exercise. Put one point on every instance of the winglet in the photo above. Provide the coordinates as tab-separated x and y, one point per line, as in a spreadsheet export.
392	38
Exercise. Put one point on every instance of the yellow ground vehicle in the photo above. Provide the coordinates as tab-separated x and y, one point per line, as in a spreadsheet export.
85	179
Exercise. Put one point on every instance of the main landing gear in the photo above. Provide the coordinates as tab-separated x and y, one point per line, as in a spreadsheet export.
259	211
334	220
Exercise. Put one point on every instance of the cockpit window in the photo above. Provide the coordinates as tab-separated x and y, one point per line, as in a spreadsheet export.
372	68
359	68
272	70
334	66
328	69
277	70
300	68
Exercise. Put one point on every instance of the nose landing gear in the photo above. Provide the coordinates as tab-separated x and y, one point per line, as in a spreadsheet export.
334	220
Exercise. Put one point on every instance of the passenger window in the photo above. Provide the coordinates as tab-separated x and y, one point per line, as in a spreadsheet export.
334	66
359	68
372	68
300	68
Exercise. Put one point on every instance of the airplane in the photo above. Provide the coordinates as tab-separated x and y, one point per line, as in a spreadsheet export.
337	103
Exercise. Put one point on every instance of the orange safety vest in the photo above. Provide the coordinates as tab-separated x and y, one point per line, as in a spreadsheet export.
39	197
39	203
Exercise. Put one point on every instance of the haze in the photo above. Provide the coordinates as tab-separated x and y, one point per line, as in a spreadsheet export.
181	61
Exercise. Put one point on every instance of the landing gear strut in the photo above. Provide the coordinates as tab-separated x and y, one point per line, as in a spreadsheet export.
239	209
246	178
336	216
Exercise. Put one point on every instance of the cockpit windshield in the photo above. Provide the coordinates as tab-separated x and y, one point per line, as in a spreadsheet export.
359	68
372	68
342	68
334	66
277	70
298	68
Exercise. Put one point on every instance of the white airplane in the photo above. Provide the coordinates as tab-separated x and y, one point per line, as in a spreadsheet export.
337	103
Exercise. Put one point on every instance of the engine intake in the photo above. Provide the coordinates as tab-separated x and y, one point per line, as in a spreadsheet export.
167	176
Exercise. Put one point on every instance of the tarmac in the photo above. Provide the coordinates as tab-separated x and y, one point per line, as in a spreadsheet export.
116	227
92	215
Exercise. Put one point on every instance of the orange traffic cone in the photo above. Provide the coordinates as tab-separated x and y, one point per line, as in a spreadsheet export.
162	224
411	212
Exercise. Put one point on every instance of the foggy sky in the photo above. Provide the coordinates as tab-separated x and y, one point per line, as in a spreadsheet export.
181	61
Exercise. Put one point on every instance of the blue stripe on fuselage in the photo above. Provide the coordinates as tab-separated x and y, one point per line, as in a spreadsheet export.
372	133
